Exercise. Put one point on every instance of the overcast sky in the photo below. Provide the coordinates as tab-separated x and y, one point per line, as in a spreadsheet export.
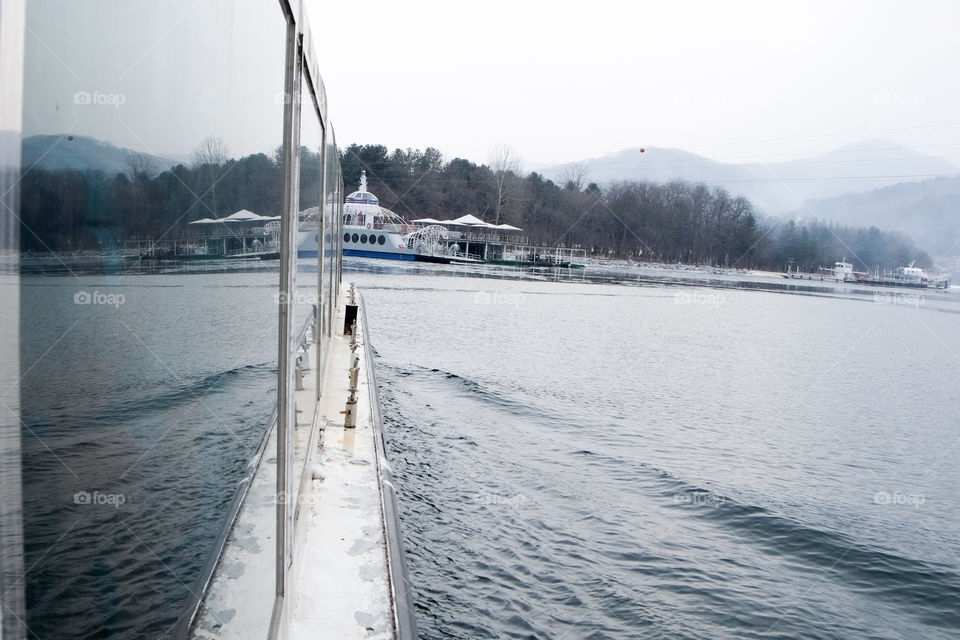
735	81
156	77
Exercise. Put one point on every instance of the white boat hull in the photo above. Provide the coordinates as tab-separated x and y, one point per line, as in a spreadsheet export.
357	241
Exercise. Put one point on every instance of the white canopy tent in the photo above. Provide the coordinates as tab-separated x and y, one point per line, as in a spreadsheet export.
245	216
471	220
240	216
468	221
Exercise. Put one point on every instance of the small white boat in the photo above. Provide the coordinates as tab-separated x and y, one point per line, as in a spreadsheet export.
908	276
843	271
911	276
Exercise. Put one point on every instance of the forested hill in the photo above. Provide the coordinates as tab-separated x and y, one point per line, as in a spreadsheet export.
668	222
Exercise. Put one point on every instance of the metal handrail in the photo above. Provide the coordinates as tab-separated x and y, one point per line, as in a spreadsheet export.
308	323
405	623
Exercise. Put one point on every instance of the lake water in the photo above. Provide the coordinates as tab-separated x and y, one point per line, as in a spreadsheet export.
141	409
651	460
614	453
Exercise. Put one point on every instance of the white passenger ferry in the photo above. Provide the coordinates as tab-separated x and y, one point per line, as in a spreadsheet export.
372	231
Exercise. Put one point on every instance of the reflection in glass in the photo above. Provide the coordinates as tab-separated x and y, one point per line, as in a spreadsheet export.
148	320
12	568
332	223
308	302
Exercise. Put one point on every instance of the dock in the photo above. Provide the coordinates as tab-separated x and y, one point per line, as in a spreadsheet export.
510	249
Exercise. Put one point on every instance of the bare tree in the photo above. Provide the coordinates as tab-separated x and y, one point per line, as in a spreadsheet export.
212	151
505	166
140	166
209	157
574	176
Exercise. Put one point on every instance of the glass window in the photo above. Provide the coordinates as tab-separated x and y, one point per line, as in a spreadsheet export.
147	125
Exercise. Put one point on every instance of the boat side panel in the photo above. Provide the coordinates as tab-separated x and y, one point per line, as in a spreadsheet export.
378	254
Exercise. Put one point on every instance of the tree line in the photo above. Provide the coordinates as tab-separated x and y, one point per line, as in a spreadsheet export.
74	210
678	221
68	210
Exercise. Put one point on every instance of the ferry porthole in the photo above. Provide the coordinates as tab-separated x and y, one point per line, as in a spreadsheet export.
363	239
381	240
356	237
346	237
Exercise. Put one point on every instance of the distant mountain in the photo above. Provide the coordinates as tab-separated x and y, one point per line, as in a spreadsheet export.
776	187
655	164
928	211
856	168
82	153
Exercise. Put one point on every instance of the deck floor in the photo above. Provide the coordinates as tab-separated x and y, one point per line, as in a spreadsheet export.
340	585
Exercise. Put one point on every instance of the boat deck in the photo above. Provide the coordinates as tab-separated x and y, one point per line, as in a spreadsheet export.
341	580
342	587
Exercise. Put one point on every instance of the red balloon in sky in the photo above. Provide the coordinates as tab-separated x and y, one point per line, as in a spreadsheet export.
642	149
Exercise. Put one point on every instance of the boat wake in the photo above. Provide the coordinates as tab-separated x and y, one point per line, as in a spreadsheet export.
567	527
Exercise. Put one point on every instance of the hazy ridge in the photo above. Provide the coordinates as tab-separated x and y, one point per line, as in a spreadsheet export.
82	153
871	183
